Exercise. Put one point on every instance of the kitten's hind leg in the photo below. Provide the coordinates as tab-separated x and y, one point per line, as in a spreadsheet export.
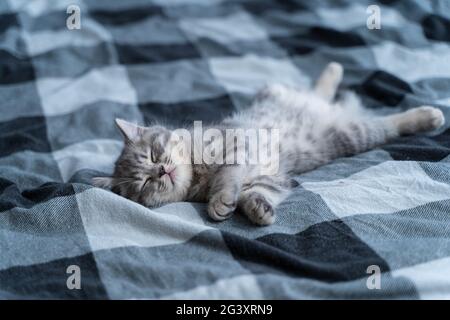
328	82
421	119
360	136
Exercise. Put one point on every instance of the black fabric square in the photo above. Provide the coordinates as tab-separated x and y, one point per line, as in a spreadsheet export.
327	251
294	45
48	280
185	113
132	15
23	134
135	54
385	88
11	196
8	20
436	27
420	148
310	39
334	38
261	6
389	2
15	69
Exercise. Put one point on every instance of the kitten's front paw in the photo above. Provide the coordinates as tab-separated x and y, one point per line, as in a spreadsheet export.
259	210
221	206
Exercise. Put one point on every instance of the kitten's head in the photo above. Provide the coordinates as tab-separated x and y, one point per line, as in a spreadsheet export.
152	169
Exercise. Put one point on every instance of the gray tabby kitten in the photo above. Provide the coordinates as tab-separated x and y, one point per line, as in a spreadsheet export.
314	129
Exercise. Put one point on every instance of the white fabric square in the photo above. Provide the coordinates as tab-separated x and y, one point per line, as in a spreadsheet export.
250	73
91	154
91	33
385	188
112	221
238	26
431	278
240	287
429	62
61	96
356	15
39	7
155	82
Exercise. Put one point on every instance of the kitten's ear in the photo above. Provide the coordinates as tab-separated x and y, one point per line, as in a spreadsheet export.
102	182
129	130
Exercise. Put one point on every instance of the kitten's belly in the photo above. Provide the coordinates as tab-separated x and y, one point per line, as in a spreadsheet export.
204	174
198	193
199	189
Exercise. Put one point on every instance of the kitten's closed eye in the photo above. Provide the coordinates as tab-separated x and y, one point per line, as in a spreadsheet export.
147	180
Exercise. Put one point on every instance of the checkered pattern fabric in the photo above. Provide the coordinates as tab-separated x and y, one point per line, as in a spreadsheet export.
183	60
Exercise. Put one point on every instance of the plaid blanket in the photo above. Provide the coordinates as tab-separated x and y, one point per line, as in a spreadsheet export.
376	225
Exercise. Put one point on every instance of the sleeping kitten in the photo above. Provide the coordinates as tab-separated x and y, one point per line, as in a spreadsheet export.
314	129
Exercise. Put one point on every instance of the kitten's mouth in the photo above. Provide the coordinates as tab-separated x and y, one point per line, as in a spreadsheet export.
171	174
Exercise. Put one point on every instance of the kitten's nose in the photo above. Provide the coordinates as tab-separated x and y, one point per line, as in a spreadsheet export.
162	171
